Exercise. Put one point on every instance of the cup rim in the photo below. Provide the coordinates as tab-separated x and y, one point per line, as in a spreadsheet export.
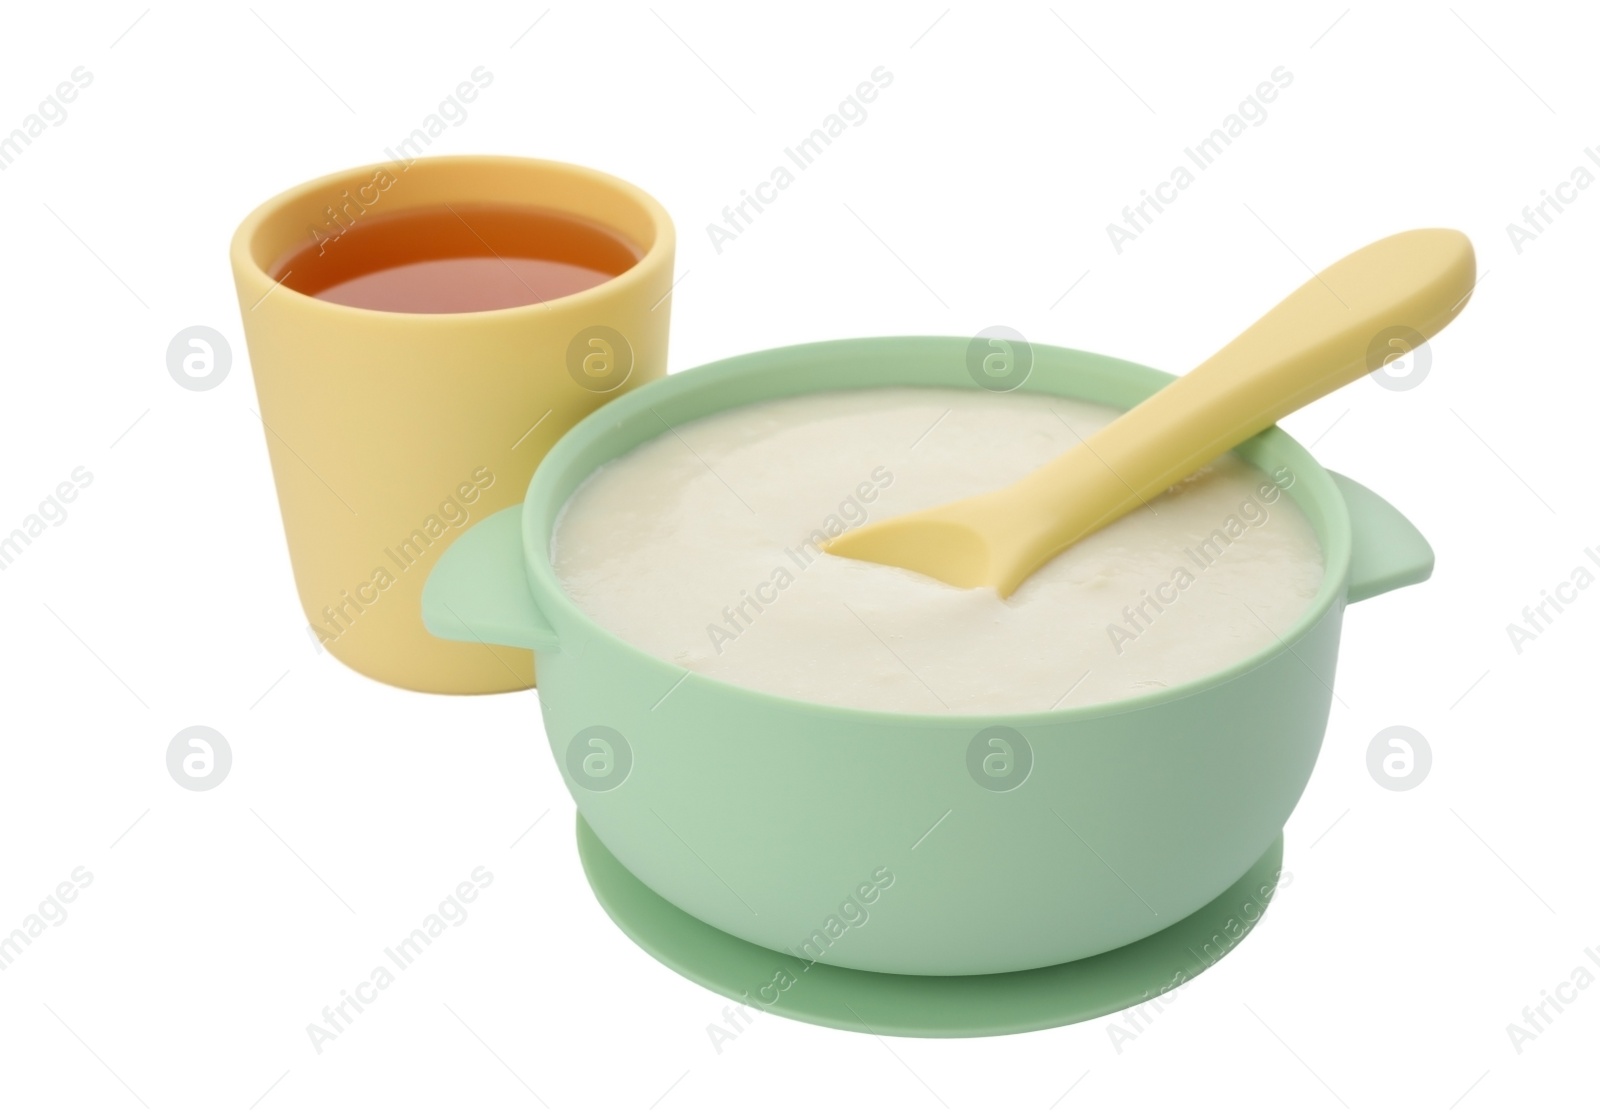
538	525
662	246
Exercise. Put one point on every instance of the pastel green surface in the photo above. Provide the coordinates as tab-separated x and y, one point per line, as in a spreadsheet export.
762	816
929	1005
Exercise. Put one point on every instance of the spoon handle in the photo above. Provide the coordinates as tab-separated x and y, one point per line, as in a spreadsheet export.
1357	314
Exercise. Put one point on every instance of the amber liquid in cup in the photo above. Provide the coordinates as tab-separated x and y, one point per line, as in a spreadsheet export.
450	259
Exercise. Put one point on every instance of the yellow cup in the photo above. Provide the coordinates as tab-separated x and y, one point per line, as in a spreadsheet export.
390	433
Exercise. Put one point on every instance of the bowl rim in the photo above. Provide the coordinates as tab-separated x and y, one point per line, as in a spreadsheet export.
1324	507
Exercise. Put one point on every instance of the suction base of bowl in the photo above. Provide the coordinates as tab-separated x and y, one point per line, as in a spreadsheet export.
926	1005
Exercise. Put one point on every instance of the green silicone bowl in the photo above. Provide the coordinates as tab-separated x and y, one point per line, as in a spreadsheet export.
929	845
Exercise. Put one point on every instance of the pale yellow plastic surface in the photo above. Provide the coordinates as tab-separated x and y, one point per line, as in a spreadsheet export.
1322	337
391	434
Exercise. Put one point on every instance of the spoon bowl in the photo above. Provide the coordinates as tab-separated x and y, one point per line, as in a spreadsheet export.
755	814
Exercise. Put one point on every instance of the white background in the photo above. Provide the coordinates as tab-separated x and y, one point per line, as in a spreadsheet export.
219	924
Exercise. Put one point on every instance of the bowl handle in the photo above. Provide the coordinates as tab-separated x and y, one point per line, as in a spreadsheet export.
1386	550
478	591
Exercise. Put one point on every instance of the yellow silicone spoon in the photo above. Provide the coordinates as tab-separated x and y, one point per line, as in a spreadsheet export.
1406	287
